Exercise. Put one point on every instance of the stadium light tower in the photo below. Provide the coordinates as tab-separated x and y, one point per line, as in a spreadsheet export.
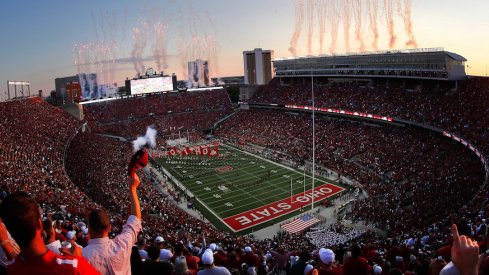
22	85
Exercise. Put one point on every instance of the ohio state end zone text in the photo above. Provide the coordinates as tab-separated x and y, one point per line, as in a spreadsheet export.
279	208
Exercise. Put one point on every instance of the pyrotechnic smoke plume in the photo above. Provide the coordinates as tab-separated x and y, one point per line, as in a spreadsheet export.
214	48
197	40
140	39
357	14
389	16
346	22
334	18
299	17
310	25
372	10
159	47
321	14
408	24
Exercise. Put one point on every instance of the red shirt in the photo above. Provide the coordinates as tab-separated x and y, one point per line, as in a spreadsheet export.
51	263
335	270
356	266
250	259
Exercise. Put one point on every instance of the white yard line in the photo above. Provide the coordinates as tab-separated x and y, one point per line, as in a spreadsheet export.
222	201
270	161
230	198
244	191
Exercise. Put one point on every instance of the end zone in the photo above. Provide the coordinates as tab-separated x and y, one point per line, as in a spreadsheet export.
277	209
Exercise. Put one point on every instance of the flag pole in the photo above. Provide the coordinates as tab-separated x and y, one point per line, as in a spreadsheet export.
304	180
313	141
290	190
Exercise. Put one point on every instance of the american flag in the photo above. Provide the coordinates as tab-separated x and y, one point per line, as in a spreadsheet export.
300	224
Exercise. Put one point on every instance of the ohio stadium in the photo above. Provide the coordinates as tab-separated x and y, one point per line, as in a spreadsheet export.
171	143
390	163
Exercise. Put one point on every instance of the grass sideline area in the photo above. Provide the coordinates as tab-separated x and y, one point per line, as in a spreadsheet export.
236	182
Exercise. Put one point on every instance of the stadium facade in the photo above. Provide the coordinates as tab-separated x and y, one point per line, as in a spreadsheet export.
430	64
199	74
258	68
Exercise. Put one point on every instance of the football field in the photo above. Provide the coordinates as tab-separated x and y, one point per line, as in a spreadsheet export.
240	191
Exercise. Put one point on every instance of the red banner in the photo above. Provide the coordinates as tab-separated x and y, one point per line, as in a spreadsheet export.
208	151
279	208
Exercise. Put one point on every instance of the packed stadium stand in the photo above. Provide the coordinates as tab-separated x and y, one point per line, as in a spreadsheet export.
463	112
418	183
33	140
169	113
394	164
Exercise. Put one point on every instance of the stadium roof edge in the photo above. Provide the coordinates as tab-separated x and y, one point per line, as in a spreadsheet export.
455	56
403	51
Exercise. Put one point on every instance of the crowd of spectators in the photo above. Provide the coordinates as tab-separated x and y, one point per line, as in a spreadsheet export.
462	110
413	178
96	164
33	137
170	114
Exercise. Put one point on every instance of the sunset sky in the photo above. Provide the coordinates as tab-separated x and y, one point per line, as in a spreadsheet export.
40	38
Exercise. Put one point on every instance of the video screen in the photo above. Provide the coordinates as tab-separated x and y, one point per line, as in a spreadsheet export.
91	89
151	85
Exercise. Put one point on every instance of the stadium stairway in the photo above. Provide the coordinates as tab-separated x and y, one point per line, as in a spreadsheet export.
224	119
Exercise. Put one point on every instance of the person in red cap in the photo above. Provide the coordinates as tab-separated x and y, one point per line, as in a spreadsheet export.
22	217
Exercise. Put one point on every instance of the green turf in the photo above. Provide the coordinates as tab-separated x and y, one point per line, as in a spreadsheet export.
252	182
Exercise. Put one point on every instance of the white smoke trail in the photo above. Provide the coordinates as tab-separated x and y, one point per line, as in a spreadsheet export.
299	17
310	25
136	35
346	6
149	139
408	24
76	54
197	41
112	50
357	15
321	13
372	10
159	48
334	18
182	48
140	39
124	28
94	23
389	16
214	48
399	8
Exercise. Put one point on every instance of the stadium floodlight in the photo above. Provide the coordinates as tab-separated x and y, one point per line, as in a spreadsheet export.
22	85
18	83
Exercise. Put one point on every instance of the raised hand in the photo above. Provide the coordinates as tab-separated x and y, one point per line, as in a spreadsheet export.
465	253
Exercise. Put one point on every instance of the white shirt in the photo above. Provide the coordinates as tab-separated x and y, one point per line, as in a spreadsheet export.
165	255
114	256
143	254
